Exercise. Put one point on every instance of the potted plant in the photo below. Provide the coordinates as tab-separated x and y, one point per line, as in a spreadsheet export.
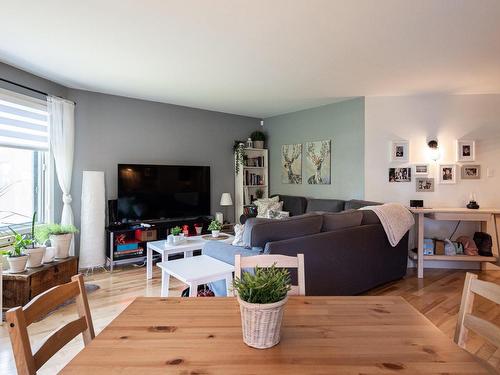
34	251
262	296
258	139
16	256
177	235
239	155
215	227
60	237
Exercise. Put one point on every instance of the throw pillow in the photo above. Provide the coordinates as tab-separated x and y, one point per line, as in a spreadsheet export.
238	235
341	220
264	204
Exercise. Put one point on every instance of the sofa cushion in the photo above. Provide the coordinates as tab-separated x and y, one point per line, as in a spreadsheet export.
328	205
292	204
341	220
259	231
369	217
355	204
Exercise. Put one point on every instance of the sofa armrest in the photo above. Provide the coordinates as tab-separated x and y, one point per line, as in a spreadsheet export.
346	261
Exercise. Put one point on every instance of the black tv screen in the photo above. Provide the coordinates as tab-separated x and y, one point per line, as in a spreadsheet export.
153	192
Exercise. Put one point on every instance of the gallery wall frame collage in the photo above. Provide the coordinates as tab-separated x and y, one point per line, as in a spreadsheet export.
447	173
317	163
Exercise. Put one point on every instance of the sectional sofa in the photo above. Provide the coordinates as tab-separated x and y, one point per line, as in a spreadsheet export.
346	250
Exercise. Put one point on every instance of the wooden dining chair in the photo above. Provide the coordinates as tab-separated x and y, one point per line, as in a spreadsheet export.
281	261
19	318
467	321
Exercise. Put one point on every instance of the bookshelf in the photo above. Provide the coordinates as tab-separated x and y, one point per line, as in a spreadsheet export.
252	176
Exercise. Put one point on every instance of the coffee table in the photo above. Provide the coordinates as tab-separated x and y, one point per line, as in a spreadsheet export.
165	249
195	271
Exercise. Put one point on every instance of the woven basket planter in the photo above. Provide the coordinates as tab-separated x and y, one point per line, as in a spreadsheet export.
261	323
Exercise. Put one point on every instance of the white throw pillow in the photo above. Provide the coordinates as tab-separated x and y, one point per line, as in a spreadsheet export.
238	235
264	204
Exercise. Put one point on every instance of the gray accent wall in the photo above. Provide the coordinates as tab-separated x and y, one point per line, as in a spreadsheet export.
343	123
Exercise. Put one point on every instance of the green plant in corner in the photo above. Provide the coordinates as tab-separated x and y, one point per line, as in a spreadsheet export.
21	242
265	285
215	225
176	231
258	136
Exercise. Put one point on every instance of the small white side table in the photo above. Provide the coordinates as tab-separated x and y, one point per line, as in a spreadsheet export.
195	271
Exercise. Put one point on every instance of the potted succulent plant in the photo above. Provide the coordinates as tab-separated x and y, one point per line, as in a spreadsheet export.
262	296
60	237
258	139
16	255
35	251
177	235
215	227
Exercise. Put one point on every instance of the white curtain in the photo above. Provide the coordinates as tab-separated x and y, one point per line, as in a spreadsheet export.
62	142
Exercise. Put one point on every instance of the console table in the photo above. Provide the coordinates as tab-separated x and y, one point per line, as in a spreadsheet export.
20	288
488	224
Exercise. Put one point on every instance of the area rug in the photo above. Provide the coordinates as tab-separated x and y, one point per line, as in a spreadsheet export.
90	288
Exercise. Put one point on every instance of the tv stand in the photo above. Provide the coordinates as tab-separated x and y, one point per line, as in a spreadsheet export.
124	245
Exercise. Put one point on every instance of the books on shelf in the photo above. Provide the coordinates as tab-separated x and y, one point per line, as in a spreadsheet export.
255	162
253	179
250	210
127	253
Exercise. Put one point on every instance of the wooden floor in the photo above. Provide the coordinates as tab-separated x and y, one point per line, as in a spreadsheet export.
437	297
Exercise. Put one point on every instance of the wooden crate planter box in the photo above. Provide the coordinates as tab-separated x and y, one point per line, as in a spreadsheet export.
20	288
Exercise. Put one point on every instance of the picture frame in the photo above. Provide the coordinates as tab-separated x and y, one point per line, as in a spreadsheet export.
470	172
466	150
424	185
291	163
447	174
400	174
400	151
317	162
422	169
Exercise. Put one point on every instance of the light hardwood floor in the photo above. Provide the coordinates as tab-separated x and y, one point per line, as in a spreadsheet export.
437	297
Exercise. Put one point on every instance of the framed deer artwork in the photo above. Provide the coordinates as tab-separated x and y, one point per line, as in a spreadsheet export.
291	164
317	169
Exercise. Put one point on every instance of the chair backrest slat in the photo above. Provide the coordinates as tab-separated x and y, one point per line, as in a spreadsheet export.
281	261
20	318
466	320
58	339
44	303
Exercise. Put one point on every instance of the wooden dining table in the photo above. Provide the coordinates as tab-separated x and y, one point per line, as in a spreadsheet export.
320	335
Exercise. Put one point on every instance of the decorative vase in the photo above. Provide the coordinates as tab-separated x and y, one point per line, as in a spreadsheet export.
17	264
215	233
261	323
61	242
50	253
258	144
35	256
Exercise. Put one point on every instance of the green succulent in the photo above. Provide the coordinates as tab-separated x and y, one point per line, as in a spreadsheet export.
176	231
264	285
215	225
21	242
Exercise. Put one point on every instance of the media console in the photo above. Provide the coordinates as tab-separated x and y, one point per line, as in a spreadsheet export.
127	243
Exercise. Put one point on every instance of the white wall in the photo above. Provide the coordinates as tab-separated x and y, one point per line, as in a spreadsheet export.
419	119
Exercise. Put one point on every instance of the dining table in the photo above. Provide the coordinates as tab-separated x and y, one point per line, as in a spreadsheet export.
319	335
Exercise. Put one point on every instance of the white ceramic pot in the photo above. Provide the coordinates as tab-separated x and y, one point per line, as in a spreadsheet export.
215	233
258	144
61	242
35	256
17	264
50	254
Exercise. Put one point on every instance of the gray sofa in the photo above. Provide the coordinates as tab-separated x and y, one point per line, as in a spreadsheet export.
346	251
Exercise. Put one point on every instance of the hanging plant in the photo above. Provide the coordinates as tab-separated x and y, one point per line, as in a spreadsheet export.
240	155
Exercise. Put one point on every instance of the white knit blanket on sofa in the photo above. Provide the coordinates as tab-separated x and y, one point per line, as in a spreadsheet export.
395	218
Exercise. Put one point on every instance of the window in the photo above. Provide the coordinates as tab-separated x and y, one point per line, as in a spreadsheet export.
24	161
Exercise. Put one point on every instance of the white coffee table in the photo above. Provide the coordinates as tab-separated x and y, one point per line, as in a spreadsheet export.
195	271
165	249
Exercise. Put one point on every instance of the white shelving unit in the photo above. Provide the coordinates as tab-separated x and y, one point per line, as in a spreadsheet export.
244	187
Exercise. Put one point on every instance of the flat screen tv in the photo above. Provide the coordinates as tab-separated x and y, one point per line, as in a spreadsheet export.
156	192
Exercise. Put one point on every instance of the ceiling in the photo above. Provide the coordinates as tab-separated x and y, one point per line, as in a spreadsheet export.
256	57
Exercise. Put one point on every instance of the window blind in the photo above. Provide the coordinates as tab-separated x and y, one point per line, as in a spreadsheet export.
23	121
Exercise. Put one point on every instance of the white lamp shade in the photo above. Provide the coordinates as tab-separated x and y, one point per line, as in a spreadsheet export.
226	200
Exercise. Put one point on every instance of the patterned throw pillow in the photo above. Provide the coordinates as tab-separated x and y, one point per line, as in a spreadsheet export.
264	204
278	214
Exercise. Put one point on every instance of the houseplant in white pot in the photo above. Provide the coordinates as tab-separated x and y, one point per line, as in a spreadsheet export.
262	296
16	256
177	235
215	228
35	251
60	237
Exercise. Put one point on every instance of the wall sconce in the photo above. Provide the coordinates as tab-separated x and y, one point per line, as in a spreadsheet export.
434	152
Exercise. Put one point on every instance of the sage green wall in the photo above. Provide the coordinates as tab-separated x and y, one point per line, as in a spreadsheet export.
343	123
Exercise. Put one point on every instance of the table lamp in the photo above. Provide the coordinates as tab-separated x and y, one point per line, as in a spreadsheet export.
226	200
